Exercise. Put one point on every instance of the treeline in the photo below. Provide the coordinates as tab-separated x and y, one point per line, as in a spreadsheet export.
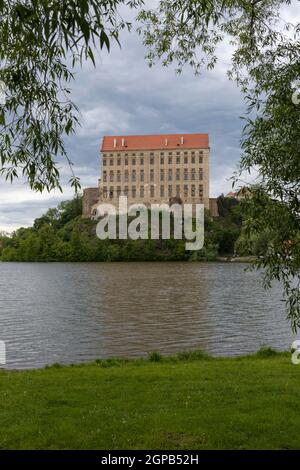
63	235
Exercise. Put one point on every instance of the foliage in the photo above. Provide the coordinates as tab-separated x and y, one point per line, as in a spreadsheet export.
188	32
41	41
265	64
63	235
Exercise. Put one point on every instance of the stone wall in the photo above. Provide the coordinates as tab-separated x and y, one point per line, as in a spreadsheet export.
213	207
90	197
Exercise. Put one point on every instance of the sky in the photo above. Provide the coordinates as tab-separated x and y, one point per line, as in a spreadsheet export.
122	95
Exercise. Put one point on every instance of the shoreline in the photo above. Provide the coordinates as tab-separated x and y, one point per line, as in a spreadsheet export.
156	357
219	259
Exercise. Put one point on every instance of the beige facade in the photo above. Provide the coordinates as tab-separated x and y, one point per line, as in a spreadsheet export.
153	170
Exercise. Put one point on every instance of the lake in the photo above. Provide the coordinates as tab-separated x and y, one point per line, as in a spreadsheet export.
76	312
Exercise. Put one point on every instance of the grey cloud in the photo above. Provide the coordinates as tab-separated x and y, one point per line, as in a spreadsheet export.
123	96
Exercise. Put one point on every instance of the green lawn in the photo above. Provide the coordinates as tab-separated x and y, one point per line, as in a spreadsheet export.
186	402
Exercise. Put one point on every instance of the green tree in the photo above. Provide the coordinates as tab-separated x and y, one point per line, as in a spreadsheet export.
265	64
41	42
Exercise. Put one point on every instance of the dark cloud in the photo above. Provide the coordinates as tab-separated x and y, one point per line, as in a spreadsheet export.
124	96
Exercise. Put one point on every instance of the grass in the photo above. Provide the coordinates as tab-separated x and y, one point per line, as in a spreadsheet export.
189	401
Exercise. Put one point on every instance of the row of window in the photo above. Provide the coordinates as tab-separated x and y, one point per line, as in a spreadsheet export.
187	175
134	161
170	191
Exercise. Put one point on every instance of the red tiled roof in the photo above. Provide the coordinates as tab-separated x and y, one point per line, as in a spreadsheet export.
154	142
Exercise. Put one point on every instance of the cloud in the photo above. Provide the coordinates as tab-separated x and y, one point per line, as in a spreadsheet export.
123	95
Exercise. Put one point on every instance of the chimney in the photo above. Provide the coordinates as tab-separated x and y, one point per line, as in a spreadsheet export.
123	142
182	140
115	143
166	142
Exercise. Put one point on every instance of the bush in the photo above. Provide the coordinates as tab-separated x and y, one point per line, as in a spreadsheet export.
154	357
266	351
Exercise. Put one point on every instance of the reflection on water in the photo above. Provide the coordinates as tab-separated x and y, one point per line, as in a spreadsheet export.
66	312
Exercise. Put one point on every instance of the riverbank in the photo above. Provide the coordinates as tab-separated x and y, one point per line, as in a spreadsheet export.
189	401
236	259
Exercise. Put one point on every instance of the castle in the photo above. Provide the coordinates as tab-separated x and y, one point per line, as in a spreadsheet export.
153	169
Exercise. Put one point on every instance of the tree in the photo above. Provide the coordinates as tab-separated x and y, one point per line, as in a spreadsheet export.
41	41
265	64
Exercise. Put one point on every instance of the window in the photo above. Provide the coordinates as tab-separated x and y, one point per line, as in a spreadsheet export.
201	157
200	174
162	191
177	190
104	161
118	191
177	160
186	160
133	161
104	176
142	192
152	191
126	176
151	175
186	175
161	160
133	191
133	175
200	190
193	174
111	192
126	191
162	175
193	159
104	191
142	161
177	174
170	190
142	175
170	160
126	161
170	175
193	190
186	190
111	162
119	161
111	176
151	160
118	176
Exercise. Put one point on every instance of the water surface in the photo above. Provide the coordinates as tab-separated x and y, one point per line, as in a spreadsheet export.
74	312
